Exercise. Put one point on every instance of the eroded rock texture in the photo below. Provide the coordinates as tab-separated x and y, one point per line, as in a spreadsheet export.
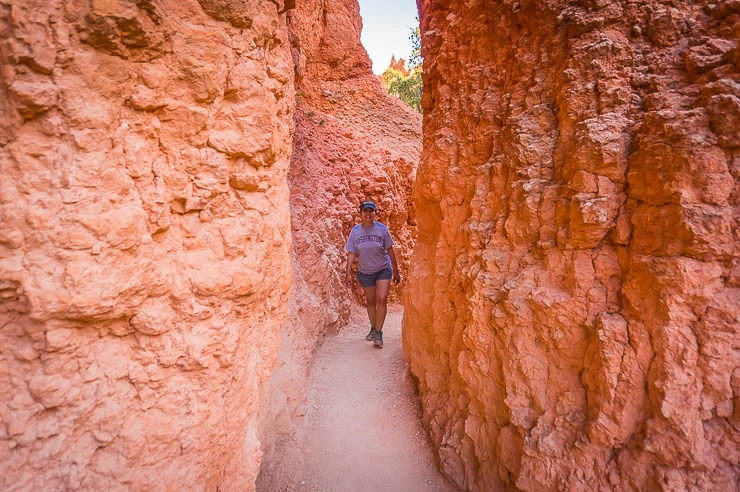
144	245
352	142
573	310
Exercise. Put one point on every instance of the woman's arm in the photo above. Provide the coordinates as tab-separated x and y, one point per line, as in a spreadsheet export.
394	264
348	269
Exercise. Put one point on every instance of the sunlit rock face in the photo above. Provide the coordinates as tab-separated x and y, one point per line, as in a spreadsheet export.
352	142
144	240
573	307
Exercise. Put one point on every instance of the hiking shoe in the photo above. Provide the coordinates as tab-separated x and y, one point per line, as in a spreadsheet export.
371	336
378	340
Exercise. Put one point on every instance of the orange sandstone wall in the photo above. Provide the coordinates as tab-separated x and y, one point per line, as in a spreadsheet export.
573	307
144	239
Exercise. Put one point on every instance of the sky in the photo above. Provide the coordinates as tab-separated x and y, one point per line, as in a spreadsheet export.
386	25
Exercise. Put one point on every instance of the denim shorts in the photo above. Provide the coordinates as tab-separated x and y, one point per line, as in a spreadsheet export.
369	279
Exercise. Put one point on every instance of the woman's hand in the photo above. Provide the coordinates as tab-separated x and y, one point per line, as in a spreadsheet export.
348	270
394	265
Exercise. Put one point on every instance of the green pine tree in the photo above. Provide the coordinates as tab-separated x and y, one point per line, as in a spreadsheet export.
408	89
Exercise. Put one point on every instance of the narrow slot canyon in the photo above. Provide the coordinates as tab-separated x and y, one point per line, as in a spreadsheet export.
177	182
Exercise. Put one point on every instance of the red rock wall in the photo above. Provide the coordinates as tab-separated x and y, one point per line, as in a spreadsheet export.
573	307
352	142
144	240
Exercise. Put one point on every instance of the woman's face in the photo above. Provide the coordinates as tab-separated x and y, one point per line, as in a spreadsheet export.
368	215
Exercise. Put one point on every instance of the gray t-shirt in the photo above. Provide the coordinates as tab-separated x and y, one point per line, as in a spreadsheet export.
370	244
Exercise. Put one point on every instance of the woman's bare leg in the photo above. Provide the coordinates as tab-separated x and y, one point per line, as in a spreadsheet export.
382	287
371	305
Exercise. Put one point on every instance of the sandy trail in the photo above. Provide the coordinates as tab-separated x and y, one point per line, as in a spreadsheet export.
361	430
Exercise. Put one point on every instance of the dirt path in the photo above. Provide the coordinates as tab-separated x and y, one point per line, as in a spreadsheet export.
361	429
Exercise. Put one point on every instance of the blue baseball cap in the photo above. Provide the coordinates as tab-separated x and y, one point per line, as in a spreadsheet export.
367	204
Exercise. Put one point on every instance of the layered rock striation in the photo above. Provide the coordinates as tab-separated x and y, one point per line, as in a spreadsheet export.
573	307
144	240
